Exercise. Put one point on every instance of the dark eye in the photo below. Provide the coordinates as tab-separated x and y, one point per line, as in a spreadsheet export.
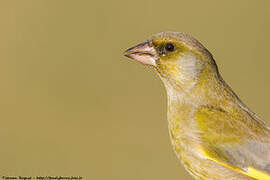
169	47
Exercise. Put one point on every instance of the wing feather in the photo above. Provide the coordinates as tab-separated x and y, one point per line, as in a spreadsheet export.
235	140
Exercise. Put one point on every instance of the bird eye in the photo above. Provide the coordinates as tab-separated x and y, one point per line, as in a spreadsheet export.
169	47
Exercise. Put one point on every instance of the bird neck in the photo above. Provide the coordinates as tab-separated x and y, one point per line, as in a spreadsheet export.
209	91
206	88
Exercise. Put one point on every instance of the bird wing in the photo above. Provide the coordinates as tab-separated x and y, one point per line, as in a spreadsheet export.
235	140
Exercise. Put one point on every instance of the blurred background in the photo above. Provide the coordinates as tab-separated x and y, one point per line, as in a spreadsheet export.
72	105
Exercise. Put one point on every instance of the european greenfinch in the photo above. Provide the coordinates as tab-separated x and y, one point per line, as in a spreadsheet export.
213	133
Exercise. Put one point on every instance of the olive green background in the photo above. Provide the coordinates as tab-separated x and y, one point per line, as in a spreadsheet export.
72	104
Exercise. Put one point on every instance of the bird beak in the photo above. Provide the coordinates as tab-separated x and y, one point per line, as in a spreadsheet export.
144	53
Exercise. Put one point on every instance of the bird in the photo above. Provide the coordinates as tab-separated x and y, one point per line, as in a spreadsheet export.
213	133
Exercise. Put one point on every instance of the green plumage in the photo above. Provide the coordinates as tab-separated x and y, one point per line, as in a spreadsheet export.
213	133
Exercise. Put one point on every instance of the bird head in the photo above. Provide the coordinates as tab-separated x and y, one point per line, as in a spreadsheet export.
179	59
